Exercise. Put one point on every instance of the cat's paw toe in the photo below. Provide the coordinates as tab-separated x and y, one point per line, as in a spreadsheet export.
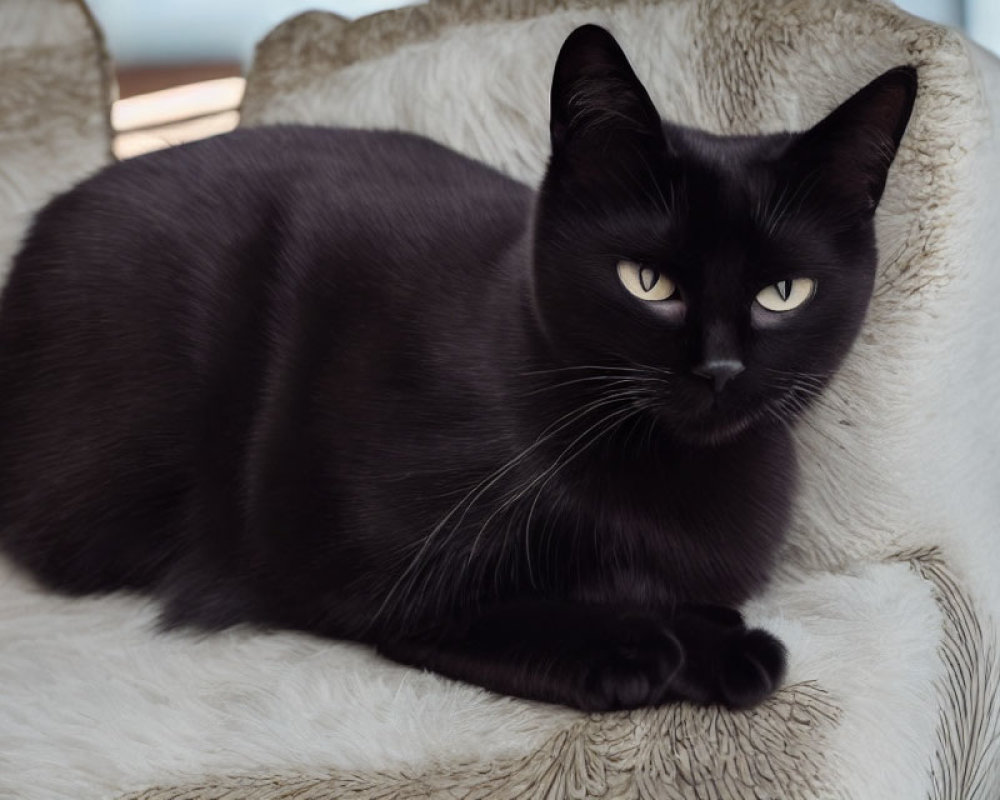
754	667
632	671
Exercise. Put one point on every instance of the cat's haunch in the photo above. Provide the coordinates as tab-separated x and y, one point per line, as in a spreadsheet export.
355	383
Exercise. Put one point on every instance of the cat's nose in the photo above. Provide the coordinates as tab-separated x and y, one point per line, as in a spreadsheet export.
720	371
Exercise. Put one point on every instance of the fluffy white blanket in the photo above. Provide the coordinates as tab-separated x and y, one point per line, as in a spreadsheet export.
94	703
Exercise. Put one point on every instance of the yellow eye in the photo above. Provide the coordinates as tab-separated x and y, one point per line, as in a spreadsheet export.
645	283
786	295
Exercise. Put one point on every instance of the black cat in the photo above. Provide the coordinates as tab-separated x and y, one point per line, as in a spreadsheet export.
357	384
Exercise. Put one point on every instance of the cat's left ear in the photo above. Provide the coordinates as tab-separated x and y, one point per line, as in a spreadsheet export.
853	148
596	97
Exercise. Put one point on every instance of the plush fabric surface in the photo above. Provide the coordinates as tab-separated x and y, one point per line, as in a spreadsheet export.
887	601
94	703
55	88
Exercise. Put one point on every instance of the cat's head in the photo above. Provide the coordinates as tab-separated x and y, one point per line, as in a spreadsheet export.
729	274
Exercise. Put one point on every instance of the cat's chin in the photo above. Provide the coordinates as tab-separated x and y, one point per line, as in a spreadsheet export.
714	427
712	433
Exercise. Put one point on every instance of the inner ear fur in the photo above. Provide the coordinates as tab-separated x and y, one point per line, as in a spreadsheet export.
595	92
853	147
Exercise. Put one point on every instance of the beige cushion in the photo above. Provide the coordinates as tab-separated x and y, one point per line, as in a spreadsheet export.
55	91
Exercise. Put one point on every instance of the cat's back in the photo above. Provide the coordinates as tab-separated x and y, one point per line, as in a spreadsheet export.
240	226
274	163
296	179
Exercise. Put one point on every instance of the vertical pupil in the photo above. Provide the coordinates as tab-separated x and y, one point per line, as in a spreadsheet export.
648	278
784	289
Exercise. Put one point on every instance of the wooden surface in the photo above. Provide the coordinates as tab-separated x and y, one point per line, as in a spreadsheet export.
151	78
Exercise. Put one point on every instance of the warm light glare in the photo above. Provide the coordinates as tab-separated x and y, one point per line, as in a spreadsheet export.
177	103
173	116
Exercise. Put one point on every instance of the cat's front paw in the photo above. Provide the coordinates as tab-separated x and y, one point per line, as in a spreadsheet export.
753	667
633	668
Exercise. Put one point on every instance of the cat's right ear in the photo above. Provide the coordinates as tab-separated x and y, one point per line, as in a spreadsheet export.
597	99
852	149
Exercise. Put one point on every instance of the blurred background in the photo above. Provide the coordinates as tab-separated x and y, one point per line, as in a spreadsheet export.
180	62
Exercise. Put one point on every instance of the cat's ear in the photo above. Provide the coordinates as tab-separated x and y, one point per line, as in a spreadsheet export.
597	98
852	149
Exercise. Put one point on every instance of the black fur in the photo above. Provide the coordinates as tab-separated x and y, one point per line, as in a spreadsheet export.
357	384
